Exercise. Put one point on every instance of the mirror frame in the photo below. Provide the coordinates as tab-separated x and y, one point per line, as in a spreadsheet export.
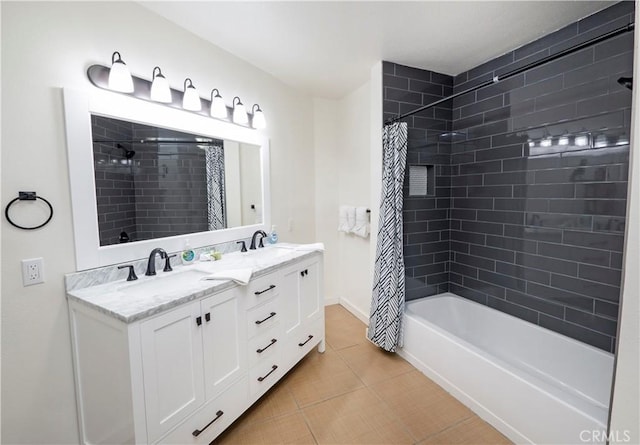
78	108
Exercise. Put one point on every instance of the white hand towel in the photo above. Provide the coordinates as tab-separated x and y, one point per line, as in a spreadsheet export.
311	247
351	217
343	219
301	247
361	226
240	276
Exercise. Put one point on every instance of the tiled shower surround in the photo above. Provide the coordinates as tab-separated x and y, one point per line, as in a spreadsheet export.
160	191
531	180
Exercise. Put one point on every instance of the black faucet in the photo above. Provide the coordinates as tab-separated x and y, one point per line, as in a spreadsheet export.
262	234
151	265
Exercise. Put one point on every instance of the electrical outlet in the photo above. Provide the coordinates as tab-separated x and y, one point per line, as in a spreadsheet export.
32	271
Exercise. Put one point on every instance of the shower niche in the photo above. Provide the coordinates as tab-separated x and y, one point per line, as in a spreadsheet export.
422	180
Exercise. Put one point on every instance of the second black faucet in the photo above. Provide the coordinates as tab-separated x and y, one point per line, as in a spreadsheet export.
151	265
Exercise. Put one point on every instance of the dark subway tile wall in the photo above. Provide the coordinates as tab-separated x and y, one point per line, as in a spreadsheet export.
534	223
541	215
171	186
114	181
426	219
160	191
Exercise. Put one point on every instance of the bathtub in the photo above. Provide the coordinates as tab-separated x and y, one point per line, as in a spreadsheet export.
532	384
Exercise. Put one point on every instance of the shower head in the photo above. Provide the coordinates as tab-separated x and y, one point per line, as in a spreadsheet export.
626	82
128	154
452	136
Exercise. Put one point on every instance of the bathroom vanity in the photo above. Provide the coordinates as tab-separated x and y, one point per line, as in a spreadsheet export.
176	359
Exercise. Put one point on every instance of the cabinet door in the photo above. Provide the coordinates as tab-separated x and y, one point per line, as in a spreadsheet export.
290	300
224	341
172	368
310	293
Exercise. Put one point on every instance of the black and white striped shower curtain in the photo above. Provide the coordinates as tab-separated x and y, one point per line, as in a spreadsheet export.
216	215
387	302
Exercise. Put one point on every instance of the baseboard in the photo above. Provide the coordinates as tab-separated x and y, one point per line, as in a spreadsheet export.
363	317
330	301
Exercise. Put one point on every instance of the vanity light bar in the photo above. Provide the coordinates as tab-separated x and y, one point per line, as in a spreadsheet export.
142	89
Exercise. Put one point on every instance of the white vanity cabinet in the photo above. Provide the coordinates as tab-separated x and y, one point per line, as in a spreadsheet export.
189	356
184	374
304	311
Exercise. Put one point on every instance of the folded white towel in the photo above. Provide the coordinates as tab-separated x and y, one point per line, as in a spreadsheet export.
311	247
361	226
351	217
301	247
343	218
240	276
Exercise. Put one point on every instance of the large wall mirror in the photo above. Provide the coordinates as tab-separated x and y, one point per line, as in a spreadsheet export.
143	175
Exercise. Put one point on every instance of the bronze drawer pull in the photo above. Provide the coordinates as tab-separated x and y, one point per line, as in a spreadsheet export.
196	433
306	341
272	314
273	286
273	341
273	368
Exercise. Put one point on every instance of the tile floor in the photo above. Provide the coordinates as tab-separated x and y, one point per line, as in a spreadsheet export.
355	393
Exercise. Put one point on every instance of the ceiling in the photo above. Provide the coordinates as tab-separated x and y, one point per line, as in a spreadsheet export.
327	48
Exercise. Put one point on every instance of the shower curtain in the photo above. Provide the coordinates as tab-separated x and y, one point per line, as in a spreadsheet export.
214	157
387	302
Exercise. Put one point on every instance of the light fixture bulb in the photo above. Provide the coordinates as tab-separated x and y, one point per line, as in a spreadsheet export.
160	91
258	117
119	75
582	141
190	99
239	113
601	141
218	107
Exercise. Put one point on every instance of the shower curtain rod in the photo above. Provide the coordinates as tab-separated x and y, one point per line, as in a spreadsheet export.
496	79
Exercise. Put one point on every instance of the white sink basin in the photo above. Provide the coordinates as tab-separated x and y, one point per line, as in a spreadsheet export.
167	283
185	278
269	254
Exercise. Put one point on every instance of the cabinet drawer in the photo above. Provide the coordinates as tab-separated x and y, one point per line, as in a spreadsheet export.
261	289
264	317
265	346
263	376
212	419
303	340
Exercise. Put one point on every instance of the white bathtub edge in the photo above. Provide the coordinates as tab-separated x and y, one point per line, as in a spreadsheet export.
471	403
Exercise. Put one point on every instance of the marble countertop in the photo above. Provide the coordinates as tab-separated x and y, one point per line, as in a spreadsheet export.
167	290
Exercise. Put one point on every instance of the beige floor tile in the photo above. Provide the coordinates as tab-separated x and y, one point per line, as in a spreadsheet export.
276	402
358	417
373	364
356	393
287	429
335	312
346	335
321	376
424	407
473	431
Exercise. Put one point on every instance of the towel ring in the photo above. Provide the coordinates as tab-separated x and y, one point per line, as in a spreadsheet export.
28	196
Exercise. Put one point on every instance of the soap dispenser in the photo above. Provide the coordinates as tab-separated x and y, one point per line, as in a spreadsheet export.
273	236
188	255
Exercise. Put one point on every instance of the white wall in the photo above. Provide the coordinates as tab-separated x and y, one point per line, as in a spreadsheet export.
353	170
625	409
326	157
348	157
47	46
